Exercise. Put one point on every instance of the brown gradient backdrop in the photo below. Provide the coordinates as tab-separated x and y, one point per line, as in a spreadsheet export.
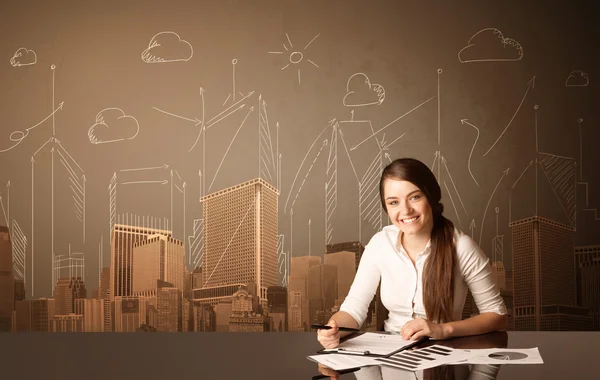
97	48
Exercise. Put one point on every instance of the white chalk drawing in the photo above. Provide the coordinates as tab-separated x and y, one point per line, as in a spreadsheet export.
112	125
330	124
490	45
291	233
452	201
23	57
360	92
229	243
4	212
439	100
325	142
445	163
267	166
196	243
19	249
498	242
390	123
512	188
331	186
74	263
250	110
504	174
200	123
530	84
167	47
466	121
295	56
370	209
282	260
472	227
18	136
78	181
233	94
577	78
561	173
8	204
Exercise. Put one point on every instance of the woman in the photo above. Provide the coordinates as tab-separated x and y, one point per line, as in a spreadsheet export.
425	265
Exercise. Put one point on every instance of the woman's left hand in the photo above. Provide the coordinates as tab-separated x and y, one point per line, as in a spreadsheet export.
418	328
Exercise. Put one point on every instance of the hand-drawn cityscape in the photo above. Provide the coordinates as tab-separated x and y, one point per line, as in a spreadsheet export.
229	263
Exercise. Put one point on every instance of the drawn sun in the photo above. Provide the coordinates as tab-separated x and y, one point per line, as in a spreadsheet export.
295	56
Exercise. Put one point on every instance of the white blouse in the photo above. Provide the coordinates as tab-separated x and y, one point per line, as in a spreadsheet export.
401	281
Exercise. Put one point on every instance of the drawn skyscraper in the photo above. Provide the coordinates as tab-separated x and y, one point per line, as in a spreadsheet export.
240	241
544	282
123	238
7	282
587	274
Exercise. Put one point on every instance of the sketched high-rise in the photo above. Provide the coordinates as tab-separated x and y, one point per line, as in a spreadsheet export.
544	281
240	241
7	282
123	239
587	274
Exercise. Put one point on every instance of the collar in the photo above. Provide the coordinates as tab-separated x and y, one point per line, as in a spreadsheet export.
392	233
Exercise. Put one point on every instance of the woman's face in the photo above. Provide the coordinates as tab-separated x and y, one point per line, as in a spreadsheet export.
408	207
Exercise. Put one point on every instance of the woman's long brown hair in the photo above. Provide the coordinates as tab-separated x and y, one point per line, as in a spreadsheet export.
438	279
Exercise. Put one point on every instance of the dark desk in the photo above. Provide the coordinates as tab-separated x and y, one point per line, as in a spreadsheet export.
144	356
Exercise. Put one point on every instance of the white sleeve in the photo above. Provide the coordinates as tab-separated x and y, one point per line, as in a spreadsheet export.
364	285
477	274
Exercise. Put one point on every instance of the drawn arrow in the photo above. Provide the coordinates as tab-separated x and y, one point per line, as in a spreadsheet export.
195	120
472	228
465	121
250	110
330	124
505	173
164	182
165	166
530	84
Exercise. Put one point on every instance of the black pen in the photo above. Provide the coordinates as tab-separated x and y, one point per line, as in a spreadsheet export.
323	327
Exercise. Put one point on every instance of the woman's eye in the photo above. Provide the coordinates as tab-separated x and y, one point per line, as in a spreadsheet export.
392	203
415	197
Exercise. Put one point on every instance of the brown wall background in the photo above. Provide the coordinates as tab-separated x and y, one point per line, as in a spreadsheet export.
438	98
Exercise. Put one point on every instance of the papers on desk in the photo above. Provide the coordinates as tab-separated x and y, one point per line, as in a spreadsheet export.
372	343
423	358
340	362
504	356
432	356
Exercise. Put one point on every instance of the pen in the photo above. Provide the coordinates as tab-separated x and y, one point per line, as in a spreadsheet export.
323	327
353	352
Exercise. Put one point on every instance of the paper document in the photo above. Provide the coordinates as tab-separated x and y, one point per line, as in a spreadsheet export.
504	356
374	343
423	358
340	362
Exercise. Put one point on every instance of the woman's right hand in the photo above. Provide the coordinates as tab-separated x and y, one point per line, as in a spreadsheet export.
329	338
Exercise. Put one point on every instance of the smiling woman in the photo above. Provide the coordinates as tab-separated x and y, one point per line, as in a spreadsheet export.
424	264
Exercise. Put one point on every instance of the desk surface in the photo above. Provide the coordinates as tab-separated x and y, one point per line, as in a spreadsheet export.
567	355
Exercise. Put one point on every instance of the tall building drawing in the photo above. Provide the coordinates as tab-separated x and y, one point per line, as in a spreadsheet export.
240	241
299	313
278	301
7	282
68	290
544	277
587	275
158	257
123	239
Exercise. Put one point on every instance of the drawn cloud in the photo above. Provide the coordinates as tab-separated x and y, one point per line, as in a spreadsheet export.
167	47
490	45
23	57
360	92
577	78
113	125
